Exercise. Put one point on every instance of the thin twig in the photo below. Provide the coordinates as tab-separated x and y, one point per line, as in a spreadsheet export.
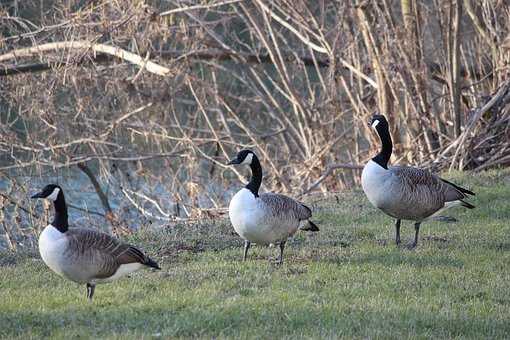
328	172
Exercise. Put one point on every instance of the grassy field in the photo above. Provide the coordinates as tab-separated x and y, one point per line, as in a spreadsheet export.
349	280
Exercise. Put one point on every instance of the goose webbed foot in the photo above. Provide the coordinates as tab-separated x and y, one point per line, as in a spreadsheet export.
90	291
247	245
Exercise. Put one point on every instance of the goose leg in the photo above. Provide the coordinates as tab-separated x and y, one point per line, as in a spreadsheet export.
397	232
246	247
282	246
416	231
90	290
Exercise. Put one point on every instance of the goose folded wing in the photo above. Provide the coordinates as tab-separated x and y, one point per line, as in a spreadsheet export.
281	205
422	181
418	189
102	251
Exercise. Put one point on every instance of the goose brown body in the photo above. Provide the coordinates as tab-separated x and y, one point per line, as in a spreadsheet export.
267	218
85	255
408	193
403	192
90	256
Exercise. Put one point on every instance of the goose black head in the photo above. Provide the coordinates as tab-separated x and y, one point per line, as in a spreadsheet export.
378	121
249	158
243	157
50	192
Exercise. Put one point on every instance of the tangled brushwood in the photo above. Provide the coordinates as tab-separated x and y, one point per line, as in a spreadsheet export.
151	98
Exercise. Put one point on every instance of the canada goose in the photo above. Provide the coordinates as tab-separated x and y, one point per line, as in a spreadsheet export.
84	255
406	193
267	218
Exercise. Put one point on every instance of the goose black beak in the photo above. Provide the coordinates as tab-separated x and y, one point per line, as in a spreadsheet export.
38	195
234	161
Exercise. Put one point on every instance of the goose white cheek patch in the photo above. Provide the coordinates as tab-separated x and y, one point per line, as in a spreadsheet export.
54	194
374	124
248	159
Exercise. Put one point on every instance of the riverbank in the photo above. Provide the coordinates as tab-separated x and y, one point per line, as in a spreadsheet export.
348	280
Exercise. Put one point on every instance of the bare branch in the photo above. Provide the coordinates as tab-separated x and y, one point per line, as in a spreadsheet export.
85	45
190	8
328	172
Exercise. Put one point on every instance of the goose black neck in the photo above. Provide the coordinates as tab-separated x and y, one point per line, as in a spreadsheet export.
384	155
256	176
60	219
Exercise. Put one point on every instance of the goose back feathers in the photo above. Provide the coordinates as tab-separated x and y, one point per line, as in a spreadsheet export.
269	218
409	193
284	207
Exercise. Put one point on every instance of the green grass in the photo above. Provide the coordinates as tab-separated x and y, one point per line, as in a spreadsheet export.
349	280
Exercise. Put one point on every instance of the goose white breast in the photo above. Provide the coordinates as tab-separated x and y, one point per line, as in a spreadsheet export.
373	182
247	216
52	247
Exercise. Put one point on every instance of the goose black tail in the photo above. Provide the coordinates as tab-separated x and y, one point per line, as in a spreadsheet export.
311	227
461	189
151	263
467	205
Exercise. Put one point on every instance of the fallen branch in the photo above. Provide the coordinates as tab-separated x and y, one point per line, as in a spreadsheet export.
220	55
85	45
208	54
189	8
82	159
118	226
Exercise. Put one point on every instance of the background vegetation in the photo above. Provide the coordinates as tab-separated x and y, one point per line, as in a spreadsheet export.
135	106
